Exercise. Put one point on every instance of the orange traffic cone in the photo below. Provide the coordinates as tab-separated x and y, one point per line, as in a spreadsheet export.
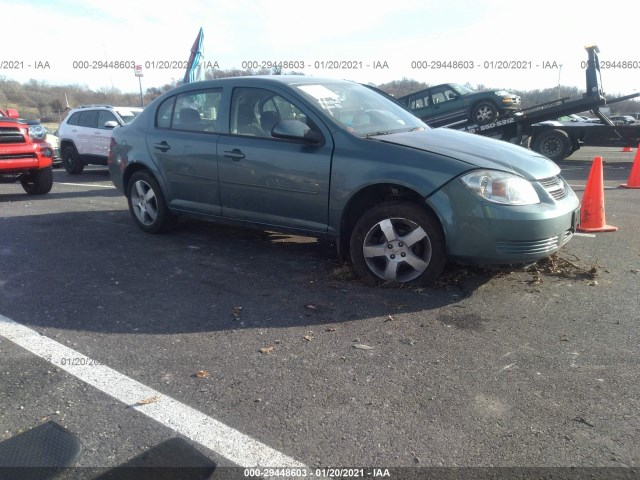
627	149
592	207
634	176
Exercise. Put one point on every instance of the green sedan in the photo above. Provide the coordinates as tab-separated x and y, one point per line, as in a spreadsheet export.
331	158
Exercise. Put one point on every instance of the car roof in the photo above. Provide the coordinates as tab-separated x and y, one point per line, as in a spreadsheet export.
264	80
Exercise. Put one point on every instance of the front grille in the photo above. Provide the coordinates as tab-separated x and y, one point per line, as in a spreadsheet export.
17	156
555	186
568	235
529	247
11	135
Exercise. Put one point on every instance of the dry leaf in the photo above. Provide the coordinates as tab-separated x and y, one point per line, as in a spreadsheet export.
389	319
360	346
311	306
266	350
236	312
149	400
202	374
308	338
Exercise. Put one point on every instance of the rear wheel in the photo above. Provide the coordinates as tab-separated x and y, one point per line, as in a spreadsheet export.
147	204
38	182
71	160
397	243
553	144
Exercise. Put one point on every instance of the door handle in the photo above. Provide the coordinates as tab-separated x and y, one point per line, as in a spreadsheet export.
234	154
162	146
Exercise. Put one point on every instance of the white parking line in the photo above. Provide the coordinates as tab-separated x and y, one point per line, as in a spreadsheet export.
85	185
584	186
216	436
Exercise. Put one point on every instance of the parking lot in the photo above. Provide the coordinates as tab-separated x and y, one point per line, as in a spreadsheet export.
273	337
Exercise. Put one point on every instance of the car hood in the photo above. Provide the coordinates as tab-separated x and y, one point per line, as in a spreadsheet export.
477	151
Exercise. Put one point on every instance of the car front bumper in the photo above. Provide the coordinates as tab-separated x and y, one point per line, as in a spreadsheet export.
481	232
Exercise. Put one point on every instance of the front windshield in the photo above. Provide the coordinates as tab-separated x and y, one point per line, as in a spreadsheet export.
360	110
462	90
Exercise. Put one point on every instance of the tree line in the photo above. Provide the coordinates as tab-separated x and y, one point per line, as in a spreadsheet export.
36	99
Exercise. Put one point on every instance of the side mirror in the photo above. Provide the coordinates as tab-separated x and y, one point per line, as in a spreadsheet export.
110	124
296	130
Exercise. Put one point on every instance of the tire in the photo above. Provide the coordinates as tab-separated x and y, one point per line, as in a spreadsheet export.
418	261
483	113
71	161
553	144
38	182
147	204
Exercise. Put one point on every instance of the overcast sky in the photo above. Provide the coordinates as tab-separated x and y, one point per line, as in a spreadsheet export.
491	34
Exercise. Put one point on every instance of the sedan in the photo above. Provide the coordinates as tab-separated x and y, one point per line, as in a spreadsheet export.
331	158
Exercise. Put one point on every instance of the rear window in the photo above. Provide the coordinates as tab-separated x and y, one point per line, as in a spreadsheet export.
128	115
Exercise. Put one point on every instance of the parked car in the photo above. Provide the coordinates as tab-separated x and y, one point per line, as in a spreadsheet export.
85	133
574	119
623	119
451	103
334	158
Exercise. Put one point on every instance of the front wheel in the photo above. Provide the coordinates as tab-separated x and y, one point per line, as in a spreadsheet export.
147	204
37	182
398	243
483	113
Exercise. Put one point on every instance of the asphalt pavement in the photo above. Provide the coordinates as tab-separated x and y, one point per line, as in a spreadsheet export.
273	337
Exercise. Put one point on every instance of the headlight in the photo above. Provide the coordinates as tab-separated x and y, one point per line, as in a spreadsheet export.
37	132
501	187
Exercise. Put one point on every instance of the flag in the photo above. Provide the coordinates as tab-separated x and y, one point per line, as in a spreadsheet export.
195	70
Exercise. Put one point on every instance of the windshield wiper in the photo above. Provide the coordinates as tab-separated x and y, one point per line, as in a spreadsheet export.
375	134
389	132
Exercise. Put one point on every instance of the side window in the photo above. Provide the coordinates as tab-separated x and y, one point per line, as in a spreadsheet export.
164	113
450	94
443	94
105	116
438	96
197	111
89	119
419	102
74	119
256	111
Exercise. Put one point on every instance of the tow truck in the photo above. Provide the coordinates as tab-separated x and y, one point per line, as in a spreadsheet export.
25	156
534	127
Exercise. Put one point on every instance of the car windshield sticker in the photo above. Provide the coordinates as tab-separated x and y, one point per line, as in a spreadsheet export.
327	99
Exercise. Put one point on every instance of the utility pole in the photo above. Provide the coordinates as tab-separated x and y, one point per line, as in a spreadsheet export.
559	72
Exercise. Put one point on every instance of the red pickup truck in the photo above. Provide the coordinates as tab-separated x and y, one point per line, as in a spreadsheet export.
24	156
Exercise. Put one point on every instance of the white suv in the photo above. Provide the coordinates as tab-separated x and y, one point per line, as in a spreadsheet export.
85	134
